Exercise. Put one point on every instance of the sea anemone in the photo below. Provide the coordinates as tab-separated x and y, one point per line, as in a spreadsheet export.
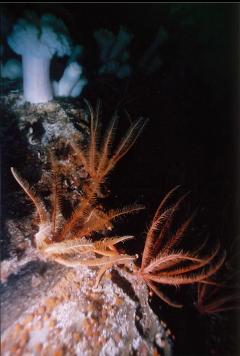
114	55
12	69
71	83
37	40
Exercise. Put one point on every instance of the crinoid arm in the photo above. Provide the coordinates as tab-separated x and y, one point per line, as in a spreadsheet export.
99	220
93	262
78	216
56	215
209	302
106	247
166	261
161	243
86	221
163	264
94	139
69	247
189	278
162	295
214	296
104	263
66	253
39	205
126	143
129	209
117	260
174	261
105	149
101	272
159	219
84	246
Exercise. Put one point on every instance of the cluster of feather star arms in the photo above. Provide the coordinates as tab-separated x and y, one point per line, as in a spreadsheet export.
164	264
70	241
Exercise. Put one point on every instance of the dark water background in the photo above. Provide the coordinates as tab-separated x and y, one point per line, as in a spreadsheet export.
191	137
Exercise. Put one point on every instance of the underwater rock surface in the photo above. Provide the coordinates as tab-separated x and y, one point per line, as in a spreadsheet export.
49	309
41	124
73	318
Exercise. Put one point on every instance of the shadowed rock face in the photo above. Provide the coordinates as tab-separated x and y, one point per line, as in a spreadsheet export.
23	289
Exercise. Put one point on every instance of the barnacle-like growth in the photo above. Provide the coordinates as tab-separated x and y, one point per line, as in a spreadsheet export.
70	242
163	264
